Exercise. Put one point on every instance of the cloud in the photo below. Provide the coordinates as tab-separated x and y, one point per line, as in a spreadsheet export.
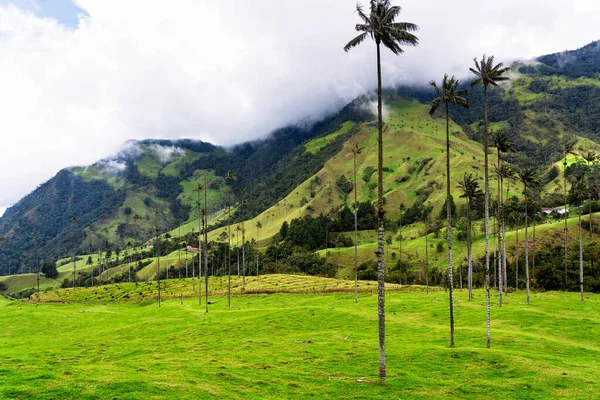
165	153
227	71
112	166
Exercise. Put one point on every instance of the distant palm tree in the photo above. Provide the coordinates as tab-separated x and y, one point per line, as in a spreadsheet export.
258	227
449	94
380	26
471	191
528	177
232	178
579	191
486	74
589	157
503	142
506	172
156	248
355	152
73	222
37	265
568	147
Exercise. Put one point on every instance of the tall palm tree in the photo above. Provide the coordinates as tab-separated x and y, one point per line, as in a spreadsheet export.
471	191
506	172
355	152
156	245
37	265
503	141
380	26
486	74
73	222
528	177
231	178
449	94
568	147
205	230
589	157
579	191
258	227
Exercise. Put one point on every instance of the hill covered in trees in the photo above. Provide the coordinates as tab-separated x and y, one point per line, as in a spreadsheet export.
297	174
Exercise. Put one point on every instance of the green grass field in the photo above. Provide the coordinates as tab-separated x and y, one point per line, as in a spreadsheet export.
301	346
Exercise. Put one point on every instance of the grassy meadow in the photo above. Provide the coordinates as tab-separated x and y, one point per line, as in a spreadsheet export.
300	345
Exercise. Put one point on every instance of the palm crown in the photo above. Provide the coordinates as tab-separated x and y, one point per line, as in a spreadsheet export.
380	26
487	73
449	94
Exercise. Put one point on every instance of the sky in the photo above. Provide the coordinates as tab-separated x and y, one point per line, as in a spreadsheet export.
79	78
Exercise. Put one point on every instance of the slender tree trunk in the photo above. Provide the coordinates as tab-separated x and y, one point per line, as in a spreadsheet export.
158	272
355	236
581	256
426	258
517	258
499	222
229	256
495	256
504	268
205	229
487	220
565	214
380	229
257	240
469	252
526	251
243	259
449	229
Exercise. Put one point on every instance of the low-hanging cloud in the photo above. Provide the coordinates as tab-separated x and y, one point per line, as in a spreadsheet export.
228	71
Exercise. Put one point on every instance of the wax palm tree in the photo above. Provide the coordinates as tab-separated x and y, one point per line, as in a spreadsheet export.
471	191
449	94
589	158
380	26
486	74
355	152
258	227
73	222
528	177
506	173
568	147
231	178
37	266
579	192
503	141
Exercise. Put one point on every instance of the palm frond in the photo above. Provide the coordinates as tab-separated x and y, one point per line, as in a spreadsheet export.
355	42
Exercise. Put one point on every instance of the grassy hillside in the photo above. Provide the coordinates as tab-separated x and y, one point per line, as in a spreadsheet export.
299	345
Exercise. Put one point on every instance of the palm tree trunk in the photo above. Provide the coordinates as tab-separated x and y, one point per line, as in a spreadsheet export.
499	222
504	270
243	259
517	258
355	236
565	214
205	229
426	258
229	255
580	257
487	220
495	255
449	228
380	229
526	251
469	253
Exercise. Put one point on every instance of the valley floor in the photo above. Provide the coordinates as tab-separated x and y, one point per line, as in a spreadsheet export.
301	345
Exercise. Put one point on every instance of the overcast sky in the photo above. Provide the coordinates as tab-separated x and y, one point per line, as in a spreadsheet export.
79	78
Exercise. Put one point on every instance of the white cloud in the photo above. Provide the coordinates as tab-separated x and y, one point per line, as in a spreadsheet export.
227	71
166	152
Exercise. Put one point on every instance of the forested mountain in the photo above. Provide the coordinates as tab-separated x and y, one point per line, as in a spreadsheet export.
297	171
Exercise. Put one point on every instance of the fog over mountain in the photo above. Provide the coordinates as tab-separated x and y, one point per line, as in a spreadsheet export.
227	71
